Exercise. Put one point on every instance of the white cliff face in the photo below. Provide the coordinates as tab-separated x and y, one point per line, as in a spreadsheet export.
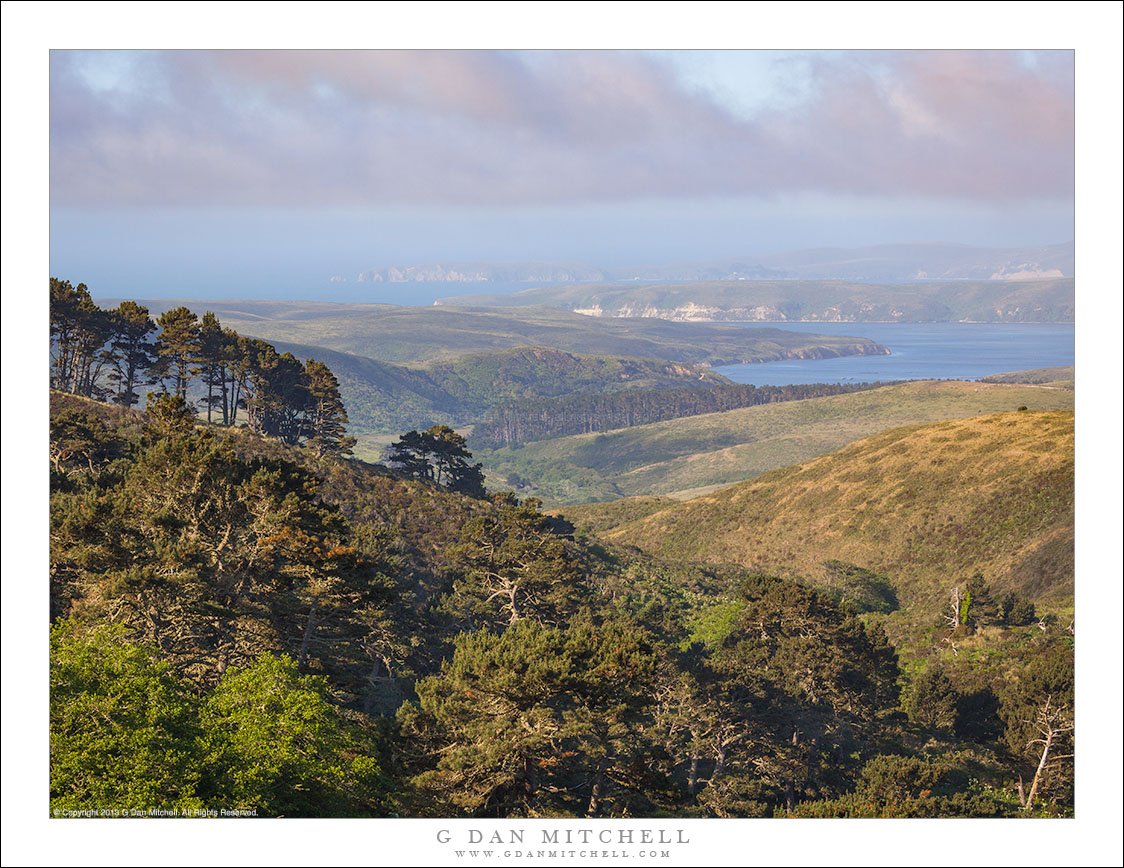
692	311
1026	273
689	312
483	272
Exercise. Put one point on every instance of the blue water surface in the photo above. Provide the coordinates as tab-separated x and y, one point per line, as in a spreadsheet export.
919	351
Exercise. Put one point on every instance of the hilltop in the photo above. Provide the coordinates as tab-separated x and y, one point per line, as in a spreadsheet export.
682	456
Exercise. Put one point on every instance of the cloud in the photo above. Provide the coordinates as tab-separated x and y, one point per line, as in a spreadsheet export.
484	127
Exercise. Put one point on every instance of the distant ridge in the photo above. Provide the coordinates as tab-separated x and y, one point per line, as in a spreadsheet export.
1047	300
879	263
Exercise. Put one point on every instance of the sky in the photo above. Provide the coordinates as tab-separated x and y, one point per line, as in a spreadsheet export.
266	173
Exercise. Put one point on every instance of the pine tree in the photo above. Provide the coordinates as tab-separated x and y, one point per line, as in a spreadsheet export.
438	454
79	333
212	368
177	348
326	416
541	721
511	567
131	350
278	396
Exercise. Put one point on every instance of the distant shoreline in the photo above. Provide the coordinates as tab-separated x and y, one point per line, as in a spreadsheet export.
111	300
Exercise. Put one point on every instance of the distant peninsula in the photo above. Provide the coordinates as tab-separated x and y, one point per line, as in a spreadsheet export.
1017	301
879	264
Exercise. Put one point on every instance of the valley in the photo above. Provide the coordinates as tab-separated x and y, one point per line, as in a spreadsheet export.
681	456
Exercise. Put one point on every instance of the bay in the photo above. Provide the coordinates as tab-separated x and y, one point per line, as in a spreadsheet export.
918	351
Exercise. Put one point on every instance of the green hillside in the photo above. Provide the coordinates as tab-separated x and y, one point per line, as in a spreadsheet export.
1048	300
926	505
406	335
681	455
386	398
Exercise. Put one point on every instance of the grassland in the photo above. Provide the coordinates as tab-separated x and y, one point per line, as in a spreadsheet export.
1045	300
724	448
925	505
415	335
1061	377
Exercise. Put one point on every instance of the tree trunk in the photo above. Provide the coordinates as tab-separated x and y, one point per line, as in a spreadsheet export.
598	786
720	763
530	783
309	627
1041	765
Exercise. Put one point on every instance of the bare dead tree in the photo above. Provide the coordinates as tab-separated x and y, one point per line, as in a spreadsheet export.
952	619
1052	722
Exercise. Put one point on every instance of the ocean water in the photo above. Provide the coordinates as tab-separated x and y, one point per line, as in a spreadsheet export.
919	351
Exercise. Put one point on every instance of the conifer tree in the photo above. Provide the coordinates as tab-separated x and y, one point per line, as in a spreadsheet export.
541	721
326	416
439	454
131	349
212	368
79	333
177	348
511	567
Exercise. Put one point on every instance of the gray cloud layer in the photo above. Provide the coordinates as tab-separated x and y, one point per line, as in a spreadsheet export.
361	128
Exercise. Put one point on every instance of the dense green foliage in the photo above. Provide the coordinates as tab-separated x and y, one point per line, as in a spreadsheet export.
439	455
128	734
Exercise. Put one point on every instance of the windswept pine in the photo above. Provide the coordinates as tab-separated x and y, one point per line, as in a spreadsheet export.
108	355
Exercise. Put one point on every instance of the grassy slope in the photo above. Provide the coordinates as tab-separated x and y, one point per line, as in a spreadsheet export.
1050	300
413	335
716	448
1062	377
927	505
